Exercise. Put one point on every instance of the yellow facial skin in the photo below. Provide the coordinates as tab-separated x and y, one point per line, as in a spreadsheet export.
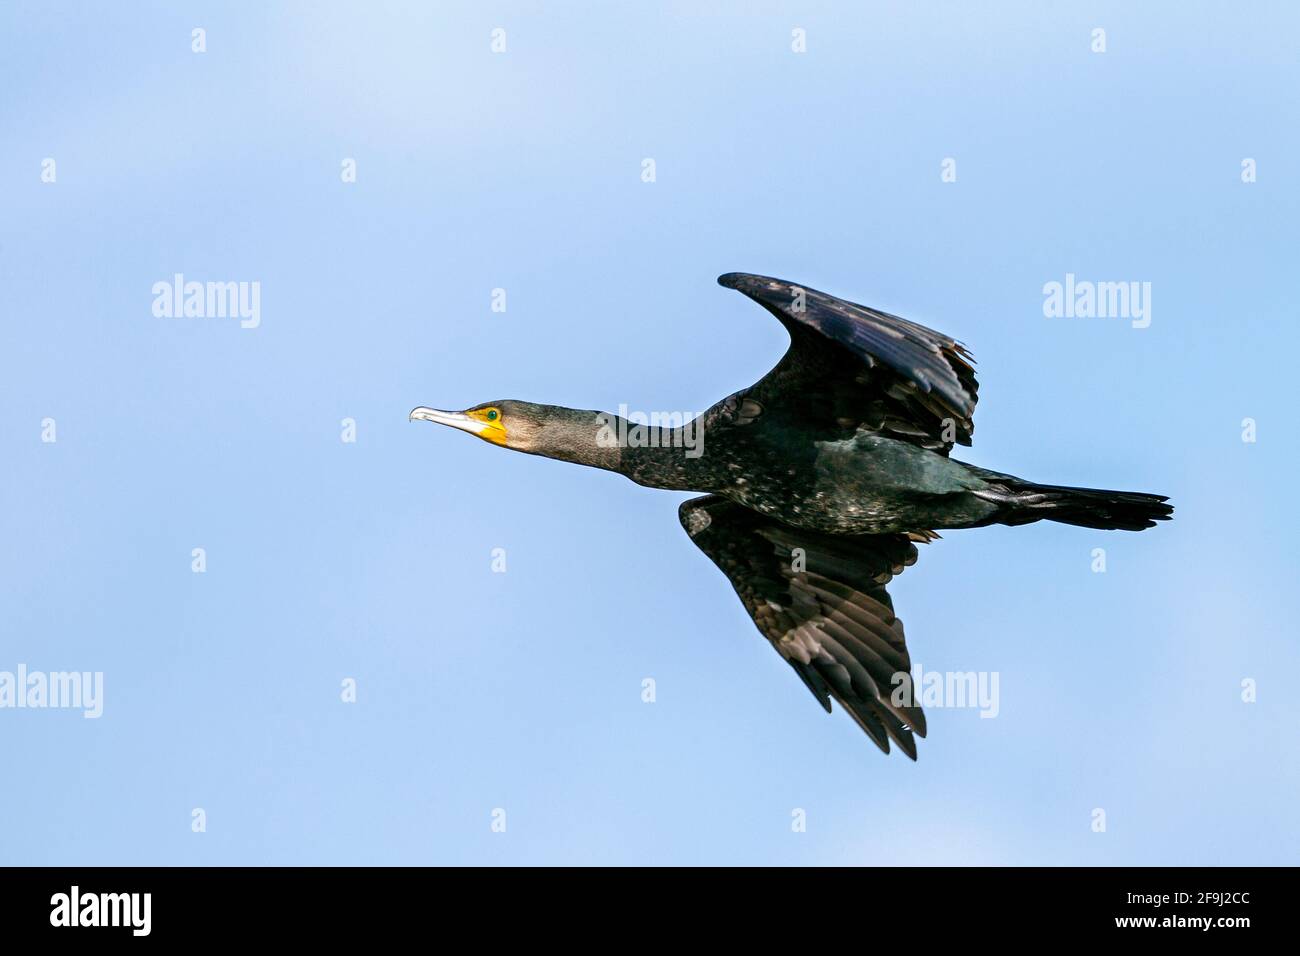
493	422
486	422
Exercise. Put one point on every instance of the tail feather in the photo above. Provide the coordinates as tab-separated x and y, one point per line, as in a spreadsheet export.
1024	501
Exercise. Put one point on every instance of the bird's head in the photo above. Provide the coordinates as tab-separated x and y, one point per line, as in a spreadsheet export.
548	430
505	423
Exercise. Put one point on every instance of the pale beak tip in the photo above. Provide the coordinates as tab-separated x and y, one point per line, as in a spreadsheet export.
453	419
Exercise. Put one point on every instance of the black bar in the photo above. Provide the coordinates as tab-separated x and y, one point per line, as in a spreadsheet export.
331	905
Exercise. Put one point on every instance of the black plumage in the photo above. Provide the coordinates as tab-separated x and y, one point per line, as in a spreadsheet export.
821	478
821	601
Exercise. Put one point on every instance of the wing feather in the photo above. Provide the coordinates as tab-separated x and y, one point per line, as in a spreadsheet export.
829	616
850	366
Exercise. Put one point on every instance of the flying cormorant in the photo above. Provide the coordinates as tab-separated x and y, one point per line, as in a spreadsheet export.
820	479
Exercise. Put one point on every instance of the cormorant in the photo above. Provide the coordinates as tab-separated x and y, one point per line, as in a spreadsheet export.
820	480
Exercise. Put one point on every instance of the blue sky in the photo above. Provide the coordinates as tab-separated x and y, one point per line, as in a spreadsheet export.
521	170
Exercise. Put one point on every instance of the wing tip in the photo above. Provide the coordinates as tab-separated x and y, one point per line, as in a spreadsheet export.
754	285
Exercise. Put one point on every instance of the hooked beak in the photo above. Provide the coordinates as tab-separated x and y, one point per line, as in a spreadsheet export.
454	419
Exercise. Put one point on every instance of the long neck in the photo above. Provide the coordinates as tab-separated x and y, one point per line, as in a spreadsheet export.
661	456
579	437
657	456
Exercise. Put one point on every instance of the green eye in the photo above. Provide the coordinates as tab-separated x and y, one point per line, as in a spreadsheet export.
492	414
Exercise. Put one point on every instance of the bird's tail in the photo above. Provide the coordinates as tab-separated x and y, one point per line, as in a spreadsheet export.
1023	501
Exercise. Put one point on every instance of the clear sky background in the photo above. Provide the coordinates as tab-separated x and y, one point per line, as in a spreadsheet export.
522	170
